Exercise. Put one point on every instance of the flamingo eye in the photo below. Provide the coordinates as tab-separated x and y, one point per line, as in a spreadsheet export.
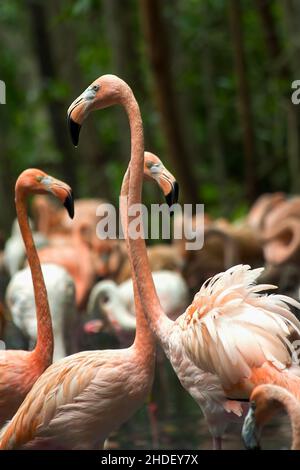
105	299
155	168
95	87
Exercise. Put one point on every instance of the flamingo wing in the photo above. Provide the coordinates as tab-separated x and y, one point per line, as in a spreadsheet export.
231	327
62	397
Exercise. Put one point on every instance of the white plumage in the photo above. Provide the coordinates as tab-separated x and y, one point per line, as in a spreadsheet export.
61	296
231	327
14	250
117	301
171	289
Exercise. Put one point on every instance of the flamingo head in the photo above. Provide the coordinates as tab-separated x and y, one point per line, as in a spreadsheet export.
263	405
106	91
37	182
154	169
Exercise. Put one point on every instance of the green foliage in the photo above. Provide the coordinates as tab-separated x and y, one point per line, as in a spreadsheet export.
199	37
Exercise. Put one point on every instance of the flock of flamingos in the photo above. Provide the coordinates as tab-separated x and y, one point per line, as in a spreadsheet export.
232	348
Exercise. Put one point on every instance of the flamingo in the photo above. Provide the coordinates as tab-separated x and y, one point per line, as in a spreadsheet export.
66	241
95	391
78	260
266	400
217	368
49	219
280	233
14	250
162	257
116	302
61	296
19	369
259	211
204	387
88	265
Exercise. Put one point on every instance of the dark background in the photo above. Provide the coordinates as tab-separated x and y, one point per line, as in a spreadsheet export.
213	80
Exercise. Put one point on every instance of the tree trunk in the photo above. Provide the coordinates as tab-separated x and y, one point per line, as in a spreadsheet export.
160	62
184	100
90	156
285	72
47	67
213	131
124	58
7	182
291	17
244	101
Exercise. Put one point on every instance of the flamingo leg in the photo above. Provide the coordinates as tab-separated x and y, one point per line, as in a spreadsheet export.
217	443
152	414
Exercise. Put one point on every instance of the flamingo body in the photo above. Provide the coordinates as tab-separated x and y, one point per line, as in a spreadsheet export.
171	289
119	299
230	328
85	393
61	297
19	370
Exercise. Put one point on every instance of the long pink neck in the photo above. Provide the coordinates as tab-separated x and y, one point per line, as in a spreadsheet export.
137	248
291	405
43	352
144	338
293	410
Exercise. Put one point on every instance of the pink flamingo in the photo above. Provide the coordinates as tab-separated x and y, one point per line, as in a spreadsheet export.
94	391
217	368
19	370
265	401
78	260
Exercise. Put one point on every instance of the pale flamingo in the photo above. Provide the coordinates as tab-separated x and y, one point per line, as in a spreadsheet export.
264	205
19	369
280	233
74	246
49	219
81	399
14	249
265	401
161	257
116	302
213	365
61	297
78	260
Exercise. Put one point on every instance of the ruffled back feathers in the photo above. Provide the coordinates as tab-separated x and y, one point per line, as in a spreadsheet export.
231	326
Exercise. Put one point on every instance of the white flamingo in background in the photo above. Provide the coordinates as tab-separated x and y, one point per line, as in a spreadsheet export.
61	297
116	302
14	249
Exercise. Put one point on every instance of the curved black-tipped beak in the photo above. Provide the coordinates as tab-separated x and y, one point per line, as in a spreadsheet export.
249	431
69	204
172	196
74	130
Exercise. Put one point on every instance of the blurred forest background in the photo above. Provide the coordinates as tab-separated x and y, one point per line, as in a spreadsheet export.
213	80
